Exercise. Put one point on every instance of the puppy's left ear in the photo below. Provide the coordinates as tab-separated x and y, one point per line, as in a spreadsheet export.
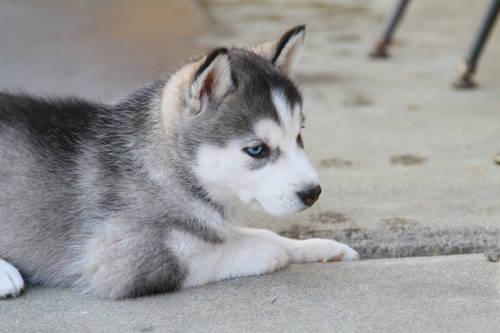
285	52
212	80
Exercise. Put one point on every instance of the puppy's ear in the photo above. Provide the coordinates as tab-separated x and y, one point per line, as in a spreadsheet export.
285	52
212	80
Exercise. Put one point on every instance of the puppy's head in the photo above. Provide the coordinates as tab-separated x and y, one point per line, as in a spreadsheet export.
243	127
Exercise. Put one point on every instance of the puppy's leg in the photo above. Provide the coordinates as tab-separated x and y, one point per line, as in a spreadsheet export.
124	259
238	255
309	250
11	281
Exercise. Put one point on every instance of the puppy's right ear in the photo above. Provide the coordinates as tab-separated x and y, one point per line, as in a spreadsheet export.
211	82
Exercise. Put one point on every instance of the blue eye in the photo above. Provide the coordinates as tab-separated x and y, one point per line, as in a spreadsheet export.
257	151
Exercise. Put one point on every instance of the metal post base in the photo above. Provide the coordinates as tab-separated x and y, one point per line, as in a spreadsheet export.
380	49
381	46
466	79
469	66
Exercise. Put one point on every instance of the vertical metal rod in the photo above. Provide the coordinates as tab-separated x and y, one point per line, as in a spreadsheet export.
469	65
380	49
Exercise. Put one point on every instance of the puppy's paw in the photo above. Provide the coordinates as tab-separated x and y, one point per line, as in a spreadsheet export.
350	254
314	250
11	281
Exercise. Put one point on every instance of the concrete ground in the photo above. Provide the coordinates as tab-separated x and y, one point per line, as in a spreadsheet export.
439	294
406	162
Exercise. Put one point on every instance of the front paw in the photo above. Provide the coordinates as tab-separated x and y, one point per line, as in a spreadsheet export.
323	250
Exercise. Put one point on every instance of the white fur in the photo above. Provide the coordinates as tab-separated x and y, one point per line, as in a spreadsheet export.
11	281
283	107
275	187
224	172
239	255
247	252
309	250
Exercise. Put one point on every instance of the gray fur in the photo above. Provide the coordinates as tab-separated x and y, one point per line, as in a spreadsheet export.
90	192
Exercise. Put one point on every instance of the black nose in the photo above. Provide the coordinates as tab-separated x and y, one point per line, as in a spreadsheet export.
310	195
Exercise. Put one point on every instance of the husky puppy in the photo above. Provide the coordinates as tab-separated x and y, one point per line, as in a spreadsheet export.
135	198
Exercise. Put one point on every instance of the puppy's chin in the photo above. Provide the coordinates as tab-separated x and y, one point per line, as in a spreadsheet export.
275	210
287	208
